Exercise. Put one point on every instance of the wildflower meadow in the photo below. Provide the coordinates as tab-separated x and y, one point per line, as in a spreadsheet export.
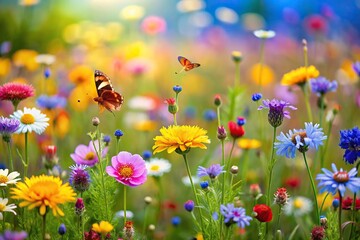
186	119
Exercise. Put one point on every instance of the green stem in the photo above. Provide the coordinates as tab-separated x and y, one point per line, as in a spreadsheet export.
237	74
262	51
323	153
307	101
223	183
313	189
194	191
175	121
321	112
44	226
10	156
244	164
227	167
278	218
124	205
340	211
145	220
270	168
26	165
218	116
354	206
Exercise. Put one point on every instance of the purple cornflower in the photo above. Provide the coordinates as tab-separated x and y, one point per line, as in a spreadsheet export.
303	139
338	180
356	67
7	127
236	215
106	140
350	141
79	178
51	102
9	235
189	205
213	171
321	86
62	229
276	111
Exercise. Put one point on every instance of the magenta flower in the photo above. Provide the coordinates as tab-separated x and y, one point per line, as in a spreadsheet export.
86	155
128	169
16	92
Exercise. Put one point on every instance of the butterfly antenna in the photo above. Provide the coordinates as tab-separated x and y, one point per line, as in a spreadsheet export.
180	71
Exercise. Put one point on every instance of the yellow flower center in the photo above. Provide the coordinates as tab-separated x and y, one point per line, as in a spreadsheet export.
2	207
155	168
44	188
89	156
126	170
3	179
298	203
27	118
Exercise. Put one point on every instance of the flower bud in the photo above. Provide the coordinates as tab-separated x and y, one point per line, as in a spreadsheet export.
236	56
79	206
189	205
118	134
62	229
95	121
234	169
148	200
255	189
221	134
241	121
151	227
129	230
262	213
217	100
172	106
236	131
177	89
281	196
47	73
256	97
204	184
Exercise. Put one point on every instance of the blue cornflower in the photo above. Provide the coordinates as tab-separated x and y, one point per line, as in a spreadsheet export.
276	111
106	139
50	102
336	203
350	141
213	171
62	229
310	137
321	86
256	97
189	205
204	184
236	215
210	115
47	72
177	89
338	180
7	127
190	112
176	221
146	154
79	178
356	67
241	121
118	133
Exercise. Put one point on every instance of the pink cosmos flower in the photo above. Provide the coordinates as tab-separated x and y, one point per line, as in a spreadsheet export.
16	92
128	169
86	155
153	25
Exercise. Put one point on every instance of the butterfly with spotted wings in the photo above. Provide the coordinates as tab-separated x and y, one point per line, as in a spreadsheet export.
107	97
187	65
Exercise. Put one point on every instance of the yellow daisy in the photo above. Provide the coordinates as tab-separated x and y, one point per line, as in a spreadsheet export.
180	137
43	192
245	143
299	76
103	228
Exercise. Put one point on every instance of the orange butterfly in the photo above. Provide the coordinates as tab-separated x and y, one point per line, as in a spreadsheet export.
187	65
107	97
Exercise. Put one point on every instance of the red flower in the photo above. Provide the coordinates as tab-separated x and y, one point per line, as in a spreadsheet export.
348	202
263	212
281	196
293	182
317	233
236	131
16	92
316	23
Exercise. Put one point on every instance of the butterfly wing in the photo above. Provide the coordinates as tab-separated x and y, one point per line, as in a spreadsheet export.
187	64
102	82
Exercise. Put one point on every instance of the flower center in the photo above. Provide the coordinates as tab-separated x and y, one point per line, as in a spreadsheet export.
126	170
43	190
27	118
302	136
2	207
298	203
155	168
3	179
341	177
89	156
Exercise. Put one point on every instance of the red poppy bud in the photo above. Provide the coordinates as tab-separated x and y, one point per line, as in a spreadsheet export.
236	131
263	212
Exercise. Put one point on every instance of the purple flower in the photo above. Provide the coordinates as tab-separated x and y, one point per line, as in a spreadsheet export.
321	86
236	215
8	126
350	141
86	155
303	139
213	171
356	67
51	102
338	180
128	169
8	235
276	111
189	205
79	178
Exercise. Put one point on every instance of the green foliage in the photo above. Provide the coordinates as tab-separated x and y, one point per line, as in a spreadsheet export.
332	231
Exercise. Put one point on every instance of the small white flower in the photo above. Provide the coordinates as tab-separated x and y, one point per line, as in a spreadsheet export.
46	59
6	178
298	206
120	214
186	180
264	34
6	208
31	119
157	167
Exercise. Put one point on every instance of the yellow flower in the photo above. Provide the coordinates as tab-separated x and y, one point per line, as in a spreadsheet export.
267	74
249	143
28	2
26	58
299	76
180	137
5	66
43	192
103	228
81	74
328	200
132	12
145	125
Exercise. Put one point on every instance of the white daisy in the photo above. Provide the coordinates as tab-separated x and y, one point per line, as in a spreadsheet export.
157	167
120	214
6	208
264	34
298	206
186	180
31	119
46	59
6	178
